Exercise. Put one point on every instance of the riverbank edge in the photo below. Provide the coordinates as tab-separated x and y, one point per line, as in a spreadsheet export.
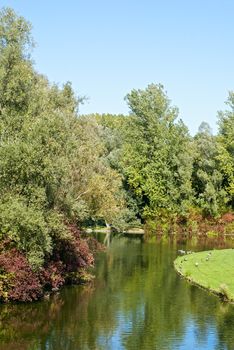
222	295
194	224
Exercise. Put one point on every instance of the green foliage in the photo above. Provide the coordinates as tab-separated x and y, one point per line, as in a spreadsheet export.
101	154
157	159
6	283
26	227
212	234
207	178
97	185
229	228
226	147
165	172
16	75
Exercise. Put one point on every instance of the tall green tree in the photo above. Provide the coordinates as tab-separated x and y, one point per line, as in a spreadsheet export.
97	186
207	178
226	147
16	73
157	161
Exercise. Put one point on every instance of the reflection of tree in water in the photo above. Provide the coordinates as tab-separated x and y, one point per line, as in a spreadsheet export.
107	239
225	323
19	322
137	301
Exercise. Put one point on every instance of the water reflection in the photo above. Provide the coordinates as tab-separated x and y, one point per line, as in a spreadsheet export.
136	302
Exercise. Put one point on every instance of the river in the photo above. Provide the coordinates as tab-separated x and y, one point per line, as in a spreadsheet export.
137	301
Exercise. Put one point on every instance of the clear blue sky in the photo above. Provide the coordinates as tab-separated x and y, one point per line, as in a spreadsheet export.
106	48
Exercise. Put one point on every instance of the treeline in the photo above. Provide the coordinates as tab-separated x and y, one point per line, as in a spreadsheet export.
60	171
166	172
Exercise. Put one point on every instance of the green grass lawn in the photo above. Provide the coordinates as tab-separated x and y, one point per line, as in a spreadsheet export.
212	269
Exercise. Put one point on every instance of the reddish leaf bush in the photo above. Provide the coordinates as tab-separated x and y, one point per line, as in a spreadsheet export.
74	253
18	282
25	284
227	218
52	276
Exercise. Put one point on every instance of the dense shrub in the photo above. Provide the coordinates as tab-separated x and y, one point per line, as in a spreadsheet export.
19	282
52	276
22	282
74	253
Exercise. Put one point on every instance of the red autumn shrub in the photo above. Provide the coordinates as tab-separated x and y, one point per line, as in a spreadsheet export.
24	284
74	253
227	218
52	276
18	282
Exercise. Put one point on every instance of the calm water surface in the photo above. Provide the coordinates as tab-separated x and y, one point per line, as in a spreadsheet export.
137	301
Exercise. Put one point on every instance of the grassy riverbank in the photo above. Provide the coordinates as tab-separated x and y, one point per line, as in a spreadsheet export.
212	270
